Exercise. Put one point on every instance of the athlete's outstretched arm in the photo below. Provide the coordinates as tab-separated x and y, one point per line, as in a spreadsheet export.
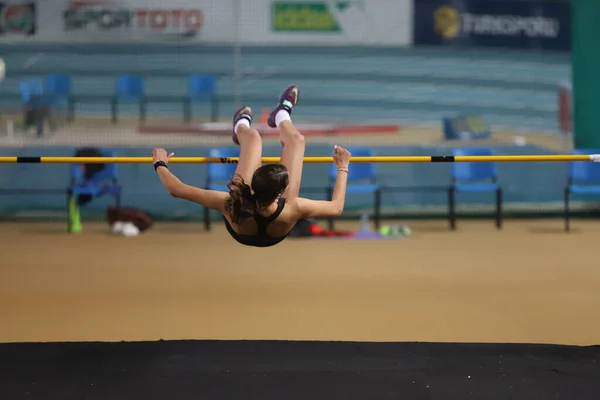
335	206
208	198
324	208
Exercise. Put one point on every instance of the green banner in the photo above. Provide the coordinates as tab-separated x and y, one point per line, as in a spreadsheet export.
302	17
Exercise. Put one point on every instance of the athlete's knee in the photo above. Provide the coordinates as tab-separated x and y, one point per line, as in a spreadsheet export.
251	134
296	139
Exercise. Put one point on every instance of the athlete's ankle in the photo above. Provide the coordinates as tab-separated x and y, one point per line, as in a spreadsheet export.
242	125
282	115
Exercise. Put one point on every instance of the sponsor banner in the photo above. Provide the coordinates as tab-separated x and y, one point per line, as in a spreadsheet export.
247	22
17	20
136	20
534	24
328	22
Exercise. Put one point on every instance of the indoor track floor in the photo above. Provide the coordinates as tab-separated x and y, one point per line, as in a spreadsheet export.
179	313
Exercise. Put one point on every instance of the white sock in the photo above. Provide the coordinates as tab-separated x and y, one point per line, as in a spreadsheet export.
281	116
242	121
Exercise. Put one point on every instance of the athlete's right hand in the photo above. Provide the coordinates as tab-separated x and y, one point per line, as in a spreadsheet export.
341	157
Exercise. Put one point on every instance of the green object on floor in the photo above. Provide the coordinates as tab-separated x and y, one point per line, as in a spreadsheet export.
74	216
395	231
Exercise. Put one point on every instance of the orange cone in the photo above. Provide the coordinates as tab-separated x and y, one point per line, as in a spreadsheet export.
264	116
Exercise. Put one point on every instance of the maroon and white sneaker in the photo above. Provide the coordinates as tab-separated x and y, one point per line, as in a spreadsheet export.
287	101
242	113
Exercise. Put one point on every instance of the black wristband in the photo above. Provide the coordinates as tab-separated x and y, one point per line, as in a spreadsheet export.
160	164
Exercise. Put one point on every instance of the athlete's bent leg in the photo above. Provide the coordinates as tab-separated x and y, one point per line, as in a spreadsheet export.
292	156
250	144
292	140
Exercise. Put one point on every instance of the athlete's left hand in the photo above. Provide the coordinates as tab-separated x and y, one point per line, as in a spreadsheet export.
161	155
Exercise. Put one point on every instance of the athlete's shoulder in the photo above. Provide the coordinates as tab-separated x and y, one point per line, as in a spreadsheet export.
292	208
295	203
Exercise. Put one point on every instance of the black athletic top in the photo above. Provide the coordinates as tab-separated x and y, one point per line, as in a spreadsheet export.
261	238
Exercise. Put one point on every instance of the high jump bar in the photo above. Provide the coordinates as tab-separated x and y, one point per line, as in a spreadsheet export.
307	160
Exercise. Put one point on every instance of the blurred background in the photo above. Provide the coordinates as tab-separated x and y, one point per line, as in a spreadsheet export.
393	77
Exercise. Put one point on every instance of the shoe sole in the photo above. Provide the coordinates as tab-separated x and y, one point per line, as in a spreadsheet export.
236	119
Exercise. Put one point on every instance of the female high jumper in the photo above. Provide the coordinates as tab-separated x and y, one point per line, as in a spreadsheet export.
263	205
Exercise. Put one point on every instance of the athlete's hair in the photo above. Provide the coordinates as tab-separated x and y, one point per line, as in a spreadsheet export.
268	182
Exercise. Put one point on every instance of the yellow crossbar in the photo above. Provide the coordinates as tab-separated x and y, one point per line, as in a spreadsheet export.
307	160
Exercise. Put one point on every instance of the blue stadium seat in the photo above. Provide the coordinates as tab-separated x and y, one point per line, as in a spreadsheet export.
201	89
584	179
129	89
474	177
31	90
362	178
219	175
58	88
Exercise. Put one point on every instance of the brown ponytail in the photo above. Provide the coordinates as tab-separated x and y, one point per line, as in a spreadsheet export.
241	203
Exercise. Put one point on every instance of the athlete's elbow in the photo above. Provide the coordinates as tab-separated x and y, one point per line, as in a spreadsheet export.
174	192
336	207
337	211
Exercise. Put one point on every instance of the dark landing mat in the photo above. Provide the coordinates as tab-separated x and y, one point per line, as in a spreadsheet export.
297	370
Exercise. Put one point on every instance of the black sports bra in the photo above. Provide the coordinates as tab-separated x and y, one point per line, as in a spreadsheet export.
261	238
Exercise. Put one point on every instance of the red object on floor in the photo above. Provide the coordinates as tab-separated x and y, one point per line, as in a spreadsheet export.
316	230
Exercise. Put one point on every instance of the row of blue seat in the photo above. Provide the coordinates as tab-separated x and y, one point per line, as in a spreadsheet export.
584	179
57	89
